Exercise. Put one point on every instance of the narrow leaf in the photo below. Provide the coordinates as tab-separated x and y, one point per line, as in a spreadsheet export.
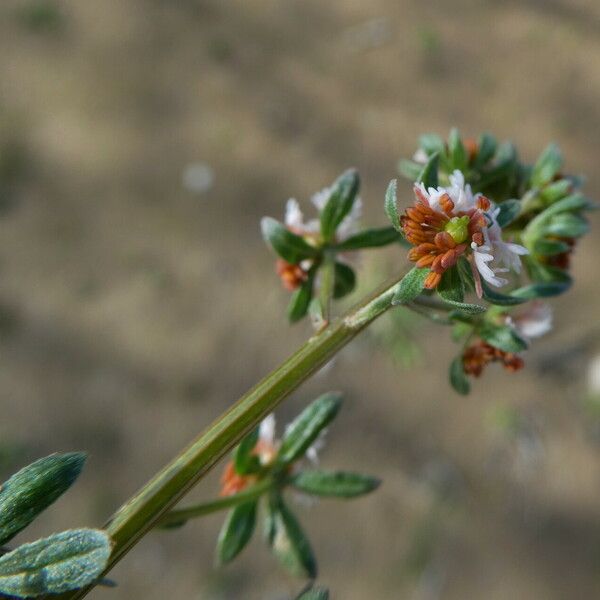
410	286
339	484
288	542
300	301
303	431
567	225
429	175
244	461
345	280
391	205
236	531
431	143
409	169
547	166
502	337
486	148
509	211
458	156
286	244
64	561
341	200
470	309
370	238
458	377
35	487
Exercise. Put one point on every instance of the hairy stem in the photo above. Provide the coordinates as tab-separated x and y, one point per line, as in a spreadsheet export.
153	501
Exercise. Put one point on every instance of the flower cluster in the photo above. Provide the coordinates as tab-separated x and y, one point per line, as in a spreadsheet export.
314	256
262	466
446	223
486	233
492	216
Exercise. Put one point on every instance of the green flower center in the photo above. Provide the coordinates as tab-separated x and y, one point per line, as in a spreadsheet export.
458	228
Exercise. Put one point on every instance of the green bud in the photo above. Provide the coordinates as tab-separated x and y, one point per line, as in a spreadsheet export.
458	228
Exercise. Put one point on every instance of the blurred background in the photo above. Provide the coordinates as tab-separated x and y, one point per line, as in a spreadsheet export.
140	143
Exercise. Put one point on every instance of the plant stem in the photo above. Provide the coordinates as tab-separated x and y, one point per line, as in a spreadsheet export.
153	501
178	517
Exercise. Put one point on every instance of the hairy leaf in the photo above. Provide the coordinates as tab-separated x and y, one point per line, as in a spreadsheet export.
371	238
35	487
288	542
410	286
236	531
305	428
341	200
291	247
340	484
64	561
458	377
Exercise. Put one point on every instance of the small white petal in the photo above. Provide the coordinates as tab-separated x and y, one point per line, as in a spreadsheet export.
266	429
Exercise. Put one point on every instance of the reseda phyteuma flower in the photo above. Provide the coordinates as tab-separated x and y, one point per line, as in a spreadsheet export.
446	223
294	275
266	449
532	322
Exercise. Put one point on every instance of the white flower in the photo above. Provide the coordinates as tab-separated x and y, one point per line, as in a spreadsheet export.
294	219
495	255
532	322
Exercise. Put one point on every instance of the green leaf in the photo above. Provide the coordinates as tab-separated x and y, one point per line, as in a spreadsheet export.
459	159
339	484
300	300
345	280
545	289
573	203
546	247
486	148
291	247
470	309
35	487
502	167
556	190
458	377
244	461
303	431
410	286
509	211
429	175
236	531
547	166
64	561
370	238
314	594
451	287
391	205
409	169
288	542
431	143
567	225
341	200
494	297
502	337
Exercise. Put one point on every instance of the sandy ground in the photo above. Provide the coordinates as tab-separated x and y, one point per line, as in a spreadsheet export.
133	310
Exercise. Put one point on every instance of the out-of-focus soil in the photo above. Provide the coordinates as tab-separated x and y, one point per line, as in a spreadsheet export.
133	310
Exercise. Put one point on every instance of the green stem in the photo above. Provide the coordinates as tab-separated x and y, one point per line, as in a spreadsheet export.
179	517
141	513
